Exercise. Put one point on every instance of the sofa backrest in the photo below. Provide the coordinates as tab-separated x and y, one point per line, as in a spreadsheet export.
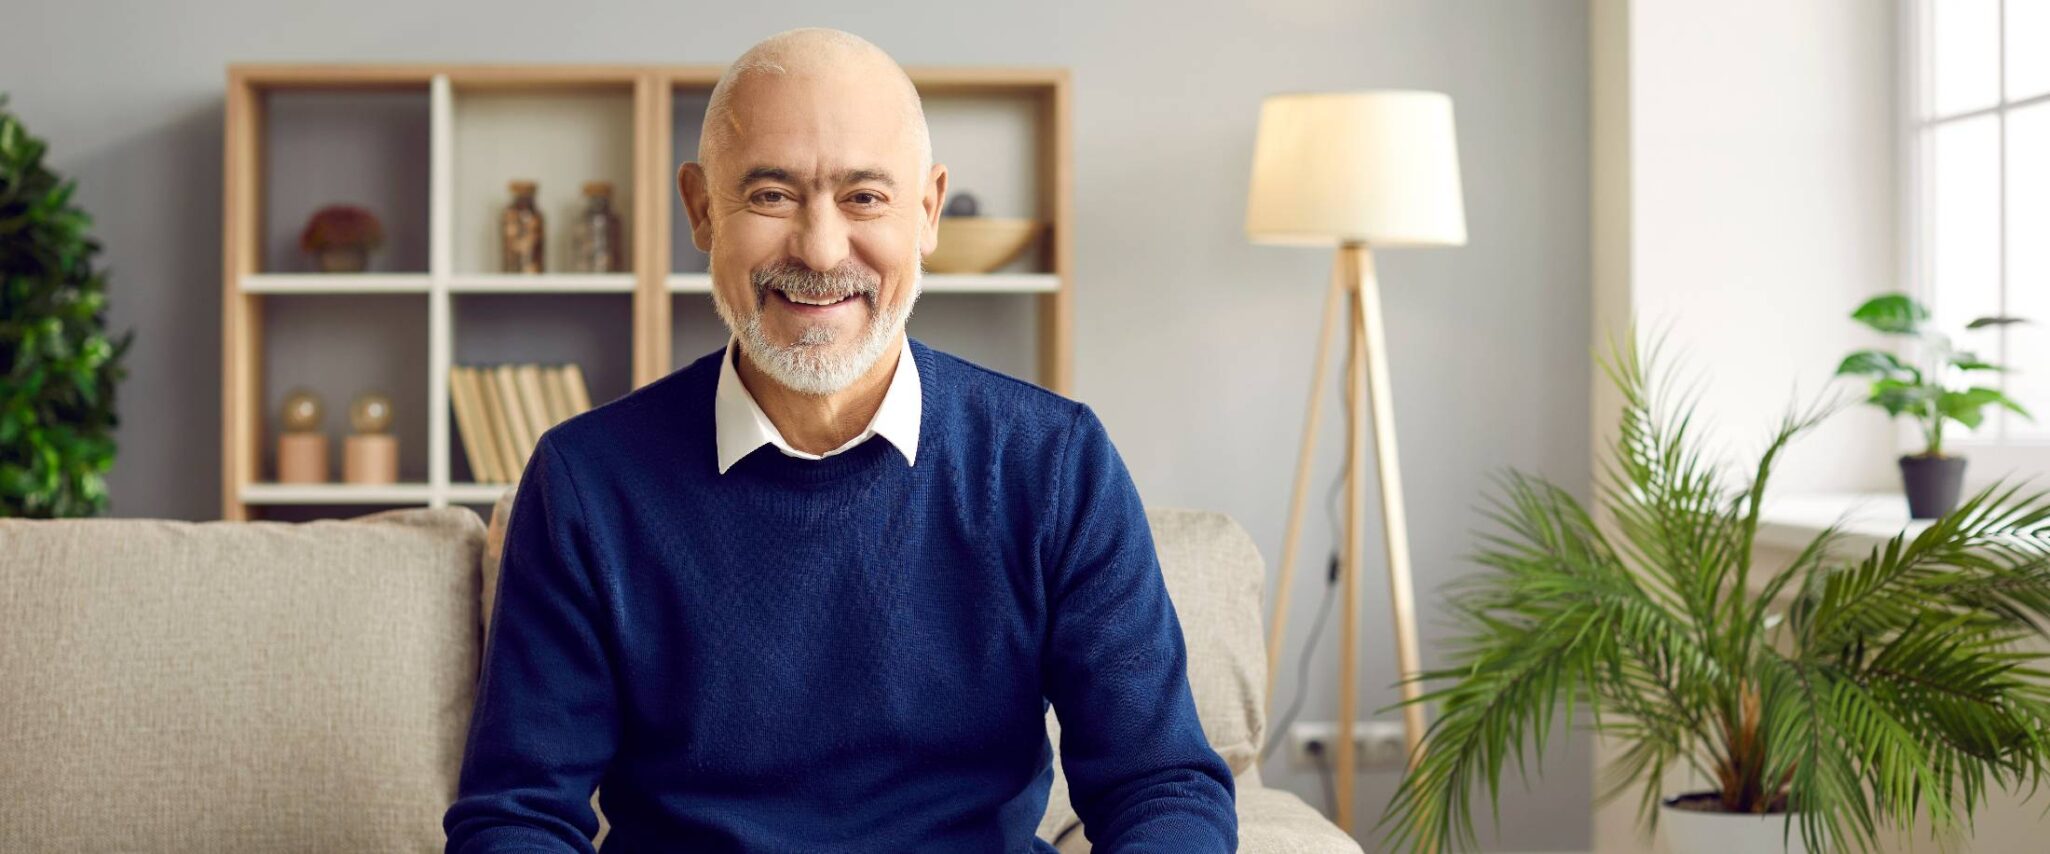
235	686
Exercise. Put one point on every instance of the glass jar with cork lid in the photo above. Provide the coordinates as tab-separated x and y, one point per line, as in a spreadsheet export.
597	242
522	231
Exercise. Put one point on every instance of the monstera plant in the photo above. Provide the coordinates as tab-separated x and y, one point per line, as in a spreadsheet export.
1816	703
1931	387
58	368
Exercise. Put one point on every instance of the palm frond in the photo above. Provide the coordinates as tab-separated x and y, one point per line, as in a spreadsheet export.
1993	552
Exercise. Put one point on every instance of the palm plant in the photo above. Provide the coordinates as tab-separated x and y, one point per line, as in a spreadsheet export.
1877	690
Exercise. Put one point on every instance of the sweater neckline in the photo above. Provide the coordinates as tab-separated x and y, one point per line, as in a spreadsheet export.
770	462
772	485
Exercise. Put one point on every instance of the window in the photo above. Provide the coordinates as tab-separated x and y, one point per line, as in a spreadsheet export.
1977	206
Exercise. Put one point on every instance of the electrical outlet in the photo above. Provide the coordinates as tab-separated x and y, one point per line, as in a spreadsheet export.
1377	745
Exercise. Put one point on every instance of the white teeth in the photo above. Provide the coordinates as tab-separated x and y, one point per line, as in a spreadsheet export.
808	300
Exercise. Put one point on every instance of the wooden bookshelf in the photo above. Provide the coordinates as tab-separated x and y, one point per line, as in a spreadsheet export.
429	149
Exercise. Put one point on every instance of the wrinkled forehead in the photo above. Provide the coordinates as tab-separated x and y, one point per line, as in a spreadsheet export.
818	124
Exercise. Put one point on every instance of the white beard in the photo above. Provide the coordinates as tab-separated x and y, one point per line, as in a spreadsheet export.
815	364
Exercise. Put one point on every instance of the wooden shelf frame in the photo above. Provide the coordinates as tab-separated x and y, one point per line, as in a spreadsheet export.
651	285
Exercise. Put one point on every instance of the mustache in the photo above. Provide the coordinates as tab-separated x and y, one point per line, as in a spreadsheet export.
842	281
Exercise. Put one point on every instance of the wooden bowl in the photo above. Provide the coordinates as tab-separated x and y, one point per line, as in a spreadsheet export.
979	244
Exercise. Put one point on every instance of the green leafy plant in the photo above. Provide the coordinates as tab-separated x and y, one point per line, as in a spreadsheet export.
1874	690
58	368
1922	389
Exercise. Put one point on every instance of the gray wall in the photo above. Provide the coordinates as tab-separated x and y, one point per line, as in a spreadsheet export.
1193	344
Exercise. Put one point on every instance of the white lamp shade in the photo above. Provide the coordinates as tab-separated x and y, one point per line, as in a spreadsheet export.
1375	167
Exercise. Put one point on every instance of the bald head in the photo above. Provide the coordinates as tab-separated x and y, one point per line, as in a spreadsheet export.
811	52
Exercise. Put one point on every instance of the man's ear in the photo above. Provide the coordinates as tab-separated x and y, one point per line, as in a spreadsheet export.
935	202
697	203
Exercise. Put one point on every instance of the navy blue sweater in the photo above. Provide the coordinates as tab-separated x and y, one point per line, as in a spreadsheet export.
843	654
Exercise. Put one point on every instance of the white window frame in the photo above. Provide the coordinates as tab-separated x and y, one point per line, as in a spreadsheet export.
1994	455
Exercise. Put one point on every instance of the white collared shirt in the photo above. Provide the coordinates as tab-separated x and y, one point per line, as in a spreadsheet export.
743	426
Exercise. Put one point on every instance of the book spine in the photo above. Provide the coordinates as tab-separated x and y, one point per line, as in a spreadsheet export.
515	414
579	396
492	440
501	422
467	429
551	393
528	376
493	433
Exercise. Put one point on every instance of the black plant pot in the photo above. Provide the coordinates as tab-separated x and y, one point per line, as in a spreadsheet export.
1932	484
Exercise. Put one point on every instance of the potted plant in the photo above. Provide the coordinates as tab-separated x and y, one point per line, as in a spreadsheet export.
1924	391
1817	703
341	237
58	366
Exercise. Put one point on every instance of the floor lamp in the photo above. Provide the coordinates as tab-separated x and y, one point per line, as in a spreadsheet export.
1354	170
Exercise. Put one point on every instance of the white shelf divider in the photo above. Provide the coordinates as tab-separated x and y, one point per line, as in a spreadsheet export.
337	493
335	283
440	257
935	283
541	283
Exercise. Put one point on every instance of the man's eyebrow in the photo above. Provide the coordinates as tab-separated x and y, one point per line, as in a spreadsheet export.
844	176
858	176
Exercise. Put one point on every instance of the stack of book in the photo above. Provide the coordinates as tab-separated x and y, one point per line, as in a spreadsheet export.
502	409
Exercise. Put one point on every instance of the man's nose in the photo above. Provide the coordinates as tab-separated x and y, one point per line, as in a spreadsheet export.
821	237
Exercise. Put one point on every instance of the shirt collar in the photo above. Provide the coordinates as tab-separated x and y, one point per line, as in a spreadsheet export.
743	426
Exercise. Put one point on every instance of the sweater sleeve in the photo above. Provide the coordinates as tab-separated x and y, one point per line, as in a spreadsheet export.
1142	775
545	723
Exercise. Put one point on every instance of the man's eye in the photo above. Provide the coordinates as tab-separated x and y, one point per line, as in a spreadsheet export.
764	196
873	198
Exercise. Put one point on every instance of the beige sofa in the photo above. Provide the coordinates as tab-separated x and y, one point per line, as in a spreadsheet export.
265	686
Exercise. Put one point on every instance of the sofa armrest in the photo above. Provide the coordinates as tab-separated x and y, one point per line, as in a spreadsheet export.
1275	821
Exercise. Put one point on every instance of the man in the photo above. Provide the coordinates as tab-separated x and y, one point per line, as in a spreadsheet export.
815	591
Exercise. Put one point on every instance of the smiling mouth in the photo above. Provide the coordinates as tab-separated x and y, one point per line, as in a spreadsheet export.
802	301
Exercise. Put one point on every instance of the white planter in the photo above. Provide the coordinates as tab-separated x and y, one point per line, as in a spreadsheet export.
1695	832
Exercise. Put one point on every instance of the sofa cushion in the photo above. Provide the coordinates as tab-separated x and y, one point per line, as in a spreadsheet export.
235	686
1271	821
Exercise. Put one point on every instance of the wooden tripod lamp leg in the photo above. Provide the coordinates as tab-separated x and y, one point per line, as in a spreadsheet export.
1401	596
1286	572
1367	378
1355	480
